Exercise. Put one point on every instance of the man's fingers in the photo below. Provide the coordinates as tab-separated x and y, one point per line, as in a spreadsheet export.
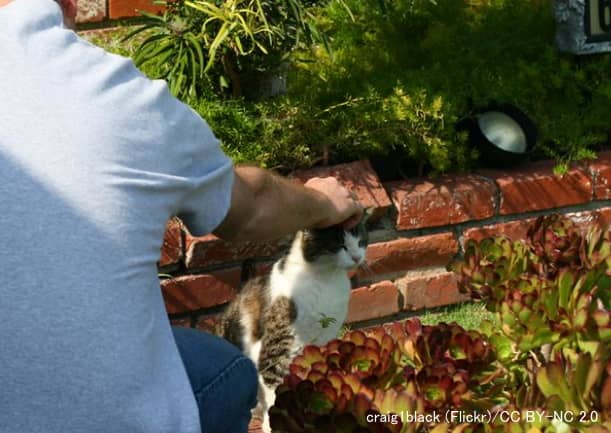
345	209
356	216
351	222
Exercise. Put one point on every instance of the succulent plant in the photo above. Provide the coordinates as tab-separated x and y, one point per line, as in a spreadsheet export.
403	368
596	248
556	241
578	383
488	265
555	326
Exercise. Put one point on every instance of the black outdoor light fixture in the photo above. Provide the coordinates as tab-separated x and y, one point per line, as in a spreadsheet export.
503	134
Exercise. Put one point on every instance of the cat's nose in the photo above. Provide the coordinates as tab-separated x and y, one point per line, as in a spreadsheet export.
357	258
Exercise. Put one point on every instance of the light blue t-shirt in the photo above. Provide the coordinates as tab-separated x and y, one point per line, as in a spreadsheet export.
94	158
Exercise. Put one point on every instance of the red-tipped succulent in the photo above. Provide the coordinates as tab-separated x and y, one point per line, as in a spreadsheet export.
556	241
555	324
369	381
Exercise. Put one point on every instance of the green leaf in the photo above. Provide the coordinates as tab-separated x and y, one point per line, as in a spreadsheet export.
590	347
433	393
580	318
551	381
151	16
503	346
593	376
581	372
566	280
320	403
137	31
223	81
196	45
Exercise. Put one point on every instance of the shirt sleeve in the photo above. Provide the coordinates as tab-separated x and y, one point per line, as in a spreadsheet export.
208	198
207	173
190	154
154	140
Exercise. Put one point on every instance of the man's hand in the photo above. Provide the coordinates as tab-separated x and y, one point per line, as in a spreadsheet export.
265	206
342	208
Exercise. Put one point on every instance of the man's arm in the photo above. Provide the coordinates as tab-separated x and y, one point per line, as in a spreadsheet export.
265	206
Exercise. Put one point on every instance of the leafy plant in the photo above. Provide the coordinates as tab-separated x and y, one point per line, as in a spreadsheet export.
228	40
172	49
268	133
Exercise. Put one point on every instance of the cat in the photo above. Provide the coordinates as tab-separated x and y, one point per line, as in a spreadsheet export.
303	301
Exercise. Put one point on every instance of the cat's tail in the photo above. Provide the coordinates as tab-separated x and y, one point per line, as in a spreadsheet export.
229	326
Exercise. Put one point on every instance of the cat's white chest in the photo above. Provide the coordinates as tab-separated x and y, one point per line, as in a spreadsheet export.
321	299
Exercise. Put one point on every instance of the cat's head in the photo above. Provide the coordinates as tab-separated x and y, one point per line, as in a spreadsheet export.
336	246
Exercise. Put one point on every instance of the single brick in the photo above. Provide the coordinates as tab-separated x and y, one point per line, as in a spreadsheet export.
378	300
210	250
586	219
447	200
260	269
605	217
195	292
514	230
358	177
536	187
408	253
89	11
130	8
601	173
184	322
172	250
429	289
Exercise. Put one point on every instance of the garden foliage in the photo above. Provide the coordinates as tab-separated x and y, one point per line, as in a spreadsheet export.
394	78
199	46
451	58
543	367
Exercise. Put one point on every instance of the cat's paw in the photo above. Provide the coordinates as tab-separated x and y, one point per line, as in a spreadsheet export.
265	427
257	411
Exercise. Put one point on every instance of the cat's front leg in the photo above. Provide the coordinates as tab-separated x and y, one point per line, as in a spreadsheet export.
276	350
269	397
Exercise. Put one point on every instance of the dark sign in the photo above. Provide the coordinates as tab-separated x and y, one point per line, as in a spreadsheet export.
598	20
583	26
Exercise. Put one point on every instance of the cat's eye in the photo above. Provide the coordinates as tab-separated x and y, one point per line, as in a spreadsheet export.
345	248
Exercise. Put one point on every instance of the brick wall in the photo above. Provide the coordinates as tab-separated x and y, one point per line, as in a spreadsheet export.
418	227
103	12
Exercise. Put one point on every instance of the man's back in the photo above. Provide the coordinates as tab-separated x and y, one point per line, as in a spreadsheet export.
89	173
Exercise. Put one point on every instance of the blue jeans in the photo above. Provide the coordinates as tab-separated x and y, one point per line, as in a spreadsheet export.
224	381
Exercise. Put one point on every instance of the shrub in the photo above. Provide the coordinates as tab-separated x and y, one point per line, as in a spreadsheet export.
289	133
465	55
551	354
271	135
